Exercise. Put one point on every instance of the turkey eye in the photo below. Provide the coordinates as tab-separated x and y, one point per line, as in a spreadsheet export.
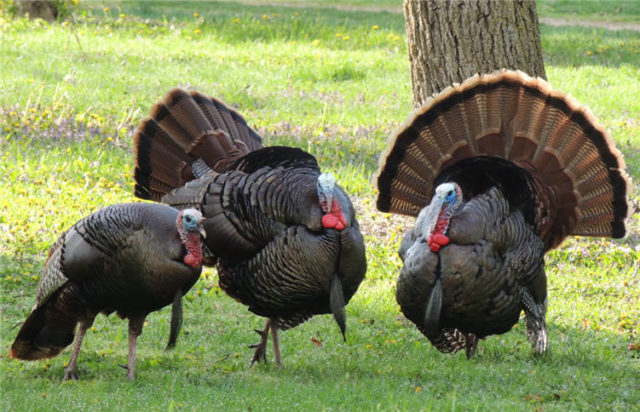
188	219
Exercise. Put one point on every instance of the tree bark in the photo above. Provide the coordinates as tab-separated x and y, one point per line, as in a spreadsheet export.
46	10
451	40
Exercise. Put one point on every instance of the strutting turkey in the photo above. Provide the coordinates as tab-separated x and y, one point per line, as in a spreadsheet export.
283	236
515	167
131	258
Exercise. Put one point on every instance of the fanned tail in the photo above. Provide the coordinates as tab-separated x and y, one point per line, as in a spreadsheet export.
43	335
565	159
188	135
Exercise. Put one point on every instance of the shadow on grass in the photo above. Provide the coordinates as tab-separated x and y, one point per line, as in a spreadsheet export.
562	46
217	11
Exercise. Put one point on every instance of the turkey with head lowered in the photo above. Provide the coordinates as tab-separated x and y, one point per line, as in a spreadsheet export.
132	259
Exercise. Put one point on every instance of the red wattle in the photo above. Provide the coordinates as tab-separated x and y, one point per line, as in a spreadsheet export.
331	221
440	239
436	241
190	260
193	244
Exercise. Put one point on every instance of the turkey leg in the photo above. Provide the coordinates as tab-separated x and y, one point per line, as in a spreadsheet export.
261	347
471	344
70	370
135	330
276	346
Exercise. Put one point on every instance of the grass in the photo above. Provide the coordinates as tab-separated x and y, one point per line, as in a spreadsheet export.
335	83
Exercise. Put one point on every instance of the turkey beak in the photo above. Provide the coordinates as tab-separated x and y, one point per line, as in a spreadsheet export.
202	231
328	197
326	186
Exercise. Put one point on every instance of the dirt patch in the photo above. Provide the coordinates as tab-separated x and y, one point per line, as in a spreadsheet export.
385	227
559	22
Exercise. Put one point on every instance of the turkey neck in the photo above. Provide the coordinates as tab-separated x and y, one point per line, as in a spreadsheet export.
193	243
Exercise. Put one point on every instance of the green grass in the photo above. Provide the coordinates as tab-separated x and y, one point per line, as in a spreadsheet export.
335	83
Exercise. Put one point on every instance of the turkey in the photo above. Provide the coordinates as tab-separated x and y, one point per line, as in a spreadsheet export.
498	170
283	236
132	259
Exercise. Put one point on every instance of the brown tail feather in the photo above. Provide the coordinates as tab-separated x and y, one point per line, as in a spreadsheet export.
42	336
510	115
183	128
228	120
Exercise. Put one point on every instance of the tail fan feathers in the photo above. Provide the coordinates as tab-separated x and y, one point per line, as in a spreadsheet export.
187	135
512	116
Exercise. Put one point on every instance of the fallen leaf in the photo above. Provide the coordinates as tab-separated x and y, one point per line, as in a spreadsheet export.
534	397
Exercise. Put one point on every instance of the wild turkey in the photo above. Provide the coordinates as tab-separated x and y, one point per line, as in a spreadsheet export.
516	167
283	236
131	259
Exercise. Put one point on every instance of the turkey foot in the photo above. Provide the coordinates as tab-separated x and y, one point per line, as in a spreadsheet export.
70	374
261	347
130	372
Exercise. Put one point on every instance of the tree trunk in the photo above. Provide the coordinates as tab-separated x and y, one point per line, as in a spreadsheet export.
451	40
46	10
